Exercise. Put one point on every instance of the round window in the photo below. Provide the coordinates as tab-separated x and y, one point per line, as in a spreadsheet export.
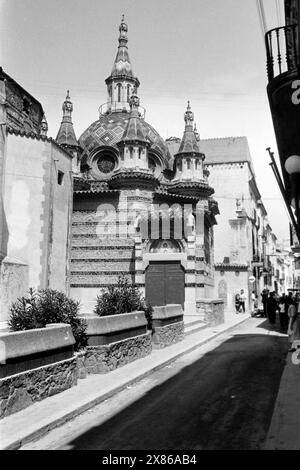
106	163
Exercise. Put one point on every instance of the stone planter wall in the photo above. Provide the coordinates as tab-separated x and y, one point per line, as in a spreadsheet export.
103	359
167	325
35	355
114	341
211	311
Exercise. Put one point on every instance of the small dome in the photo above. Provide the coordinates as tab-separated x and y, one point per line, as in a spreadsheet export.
109	129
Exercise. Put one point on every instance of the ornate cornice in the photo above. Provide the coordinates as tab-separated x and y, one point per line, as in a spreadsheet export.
191	188
128	177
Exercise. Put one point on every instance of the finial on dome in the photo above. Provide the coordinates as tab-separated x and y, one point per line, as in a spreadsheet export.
188	115
123	28
44	126
67	104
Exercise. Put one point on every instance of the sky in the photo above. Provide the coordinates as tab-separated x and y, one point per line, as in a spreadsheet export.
210	52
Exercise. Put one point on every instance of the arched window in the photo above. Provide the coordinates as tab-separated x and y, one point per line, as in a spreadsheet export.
128	93
188	164
119	91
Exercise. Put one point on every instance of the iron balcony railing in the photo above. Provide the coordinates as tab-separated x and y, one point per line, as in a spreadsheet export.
119	106
281	49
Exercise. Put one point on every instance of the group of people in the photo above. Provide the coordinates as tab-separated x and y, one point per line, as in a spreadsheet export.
287	306
288	309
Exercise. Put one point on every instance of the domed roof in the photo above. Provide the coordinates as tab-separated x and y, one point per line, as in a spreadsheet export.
109	129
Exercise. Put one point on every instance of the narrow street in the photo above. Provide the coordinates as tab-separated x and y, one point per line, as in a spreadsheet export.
221	396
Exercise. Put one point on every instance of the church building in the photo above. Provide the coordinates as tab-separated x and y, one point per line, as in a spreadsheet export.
137	211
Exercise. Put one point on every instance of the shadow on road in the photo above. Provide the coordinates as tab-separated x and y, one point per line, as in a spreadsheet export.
222	401
276	327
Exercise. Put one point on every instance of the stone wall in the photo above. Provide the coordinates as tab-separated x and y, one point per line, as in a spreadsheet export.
102	359
167	325
211	311
21	390
169	334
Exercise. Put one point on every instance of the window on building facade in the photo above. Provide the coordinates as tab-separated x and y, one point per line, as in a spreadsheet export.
106	163
119	91
60	177
206	243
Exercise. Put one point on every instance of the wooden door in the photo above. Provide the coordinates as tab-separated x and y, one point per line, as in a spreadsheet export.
165	283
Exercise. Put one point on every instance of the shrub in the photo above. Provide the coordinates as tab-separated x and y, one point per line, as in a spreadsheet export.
48	306
123	298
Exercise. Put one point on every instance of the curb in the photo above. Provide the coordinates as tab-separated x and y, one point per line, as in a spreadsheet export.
37	434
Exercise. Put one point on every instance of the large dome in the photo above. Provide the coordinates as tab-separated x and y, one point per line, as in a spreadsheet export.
108	130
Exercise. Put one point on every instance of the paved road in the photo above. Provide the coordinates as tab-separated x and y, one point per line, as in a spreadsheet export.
221	396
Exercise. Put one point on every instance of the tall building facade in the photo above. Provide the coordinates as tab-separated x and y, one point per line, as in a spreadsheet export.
35	199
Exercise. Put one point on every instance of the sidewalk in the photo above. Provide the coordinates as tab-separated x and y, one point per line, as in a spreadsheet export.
284	432
33	422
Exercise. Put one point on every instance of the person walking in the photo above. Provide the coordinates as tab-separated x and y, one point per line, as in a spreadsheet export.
283	317
294	324
272	306
253	298
264	298
255	310
242	300
237	303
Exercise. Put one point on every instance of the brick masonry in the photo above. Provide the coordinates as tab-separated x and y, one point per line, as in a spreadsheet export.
169	334
21	390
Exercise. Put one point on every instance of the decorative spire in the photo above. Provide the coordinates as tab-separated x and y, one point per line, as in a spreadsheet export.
122	65
121	82
67	108
123	28
66	135
44	126
134	129
189	142
188	116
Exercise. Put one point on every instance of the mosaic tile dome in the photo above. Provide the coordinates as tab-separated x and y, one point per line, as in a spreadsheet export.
108	130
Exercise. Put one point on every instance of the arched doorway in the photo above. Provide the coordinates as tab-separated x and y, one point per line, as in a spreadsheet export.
165	278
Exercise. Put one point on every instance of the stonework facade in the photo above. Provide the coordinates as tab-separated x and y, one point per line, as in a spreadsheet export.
21	390
164	336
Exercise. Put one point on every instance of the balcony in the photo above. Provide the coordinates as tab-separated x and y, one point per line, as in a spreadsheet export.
281	48
283	67
119	106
